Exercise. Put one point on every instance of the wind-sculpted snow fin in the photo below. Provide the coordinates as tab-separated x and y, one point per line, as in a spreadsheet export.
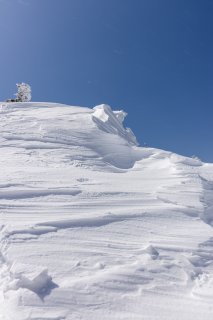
112	122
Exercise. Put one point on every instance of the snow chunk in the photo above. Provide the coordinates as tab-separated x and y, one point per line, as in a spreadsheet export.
31	277
152	251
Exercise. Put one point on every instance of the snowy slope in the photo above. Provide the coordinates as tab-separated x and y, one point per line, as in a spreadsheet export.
93	226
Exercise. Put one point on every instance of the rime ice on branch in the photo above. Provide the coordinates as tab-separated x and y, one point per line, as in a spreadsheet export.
24	92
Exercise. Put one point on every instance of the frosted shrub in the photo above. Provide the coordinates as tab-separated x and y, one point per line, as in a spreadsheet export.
24	92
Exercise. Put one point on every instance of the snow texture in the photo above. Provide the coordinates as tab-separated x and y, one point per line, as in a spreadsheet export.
94	227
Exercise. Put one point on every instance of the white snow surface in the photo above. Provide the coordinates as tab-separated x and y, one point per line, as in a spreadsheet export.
94	227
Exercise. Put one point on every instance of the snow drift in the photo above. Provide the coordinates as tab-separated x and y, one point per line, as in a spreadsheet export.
93	226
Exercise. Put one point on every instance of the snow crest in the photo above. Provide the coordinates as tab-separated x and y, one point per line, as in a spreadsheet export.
112	122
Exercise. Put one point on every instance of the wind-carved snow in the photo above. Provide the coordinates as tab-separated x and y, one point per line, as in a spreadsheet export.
93	226
112	122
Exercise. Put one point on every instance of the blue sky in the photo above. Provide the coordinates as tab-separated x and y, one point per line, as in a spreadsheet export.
152	58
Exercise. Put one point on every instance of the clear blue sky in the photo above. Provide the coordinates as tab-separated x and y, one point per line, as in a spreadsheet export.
153	58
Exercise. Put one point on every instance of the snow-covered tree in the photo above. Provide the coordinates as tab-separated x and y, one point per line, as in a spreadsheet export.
24	92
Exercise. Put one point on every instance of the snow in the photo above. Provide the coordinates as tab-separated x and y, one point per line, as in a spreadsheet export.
94	226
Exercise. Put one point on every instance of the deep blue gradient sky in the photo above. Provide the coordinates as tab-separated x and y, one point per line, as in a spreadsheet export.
153	58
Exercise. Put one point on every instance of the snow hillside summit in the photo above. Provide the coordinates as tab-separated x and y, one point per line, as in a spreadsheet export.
93	226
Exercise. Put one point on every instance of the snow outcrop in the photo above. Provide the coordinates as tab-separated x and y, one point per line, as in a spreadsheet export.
112	122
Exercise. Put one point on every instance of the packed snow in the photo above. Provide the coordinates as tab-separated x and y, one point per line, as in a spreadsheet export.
92	226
